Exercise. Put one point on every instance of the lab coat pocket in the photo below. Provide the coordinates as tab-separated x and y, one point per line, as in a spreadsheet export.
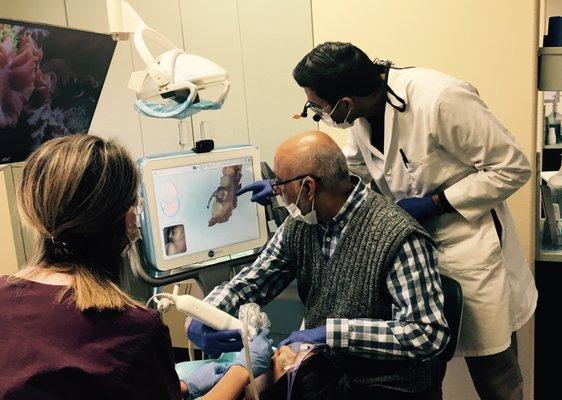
432	172
466	245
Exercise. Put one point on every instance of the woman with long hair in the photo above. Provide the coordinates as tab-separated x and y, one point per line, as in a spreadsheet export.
68	330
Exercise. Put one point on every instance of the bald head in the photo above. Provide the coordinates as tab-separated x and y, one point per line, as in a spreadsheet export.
312	153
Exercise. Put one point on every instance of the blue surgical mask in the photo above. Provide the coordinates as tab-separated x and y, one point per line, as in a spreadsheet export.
173	109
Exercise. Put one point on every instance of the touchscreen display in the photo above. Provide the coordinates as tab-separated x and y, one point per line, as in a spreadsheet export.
198	210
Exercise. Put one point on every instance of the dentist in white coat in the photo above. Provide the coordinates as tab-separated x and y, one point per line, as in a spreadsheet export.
428	141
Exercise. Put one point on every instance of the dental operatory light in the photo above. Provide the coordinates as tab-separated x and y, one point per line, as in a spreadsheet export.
170	86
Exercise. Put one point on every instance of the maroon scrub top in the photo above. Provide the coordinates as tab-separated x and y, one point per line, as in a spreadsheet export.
50	350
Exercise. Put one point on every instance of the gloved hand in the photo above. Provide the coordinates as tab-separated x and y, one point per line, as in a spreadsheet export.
212	341
261	351
261	191
314	335
204	378
421	208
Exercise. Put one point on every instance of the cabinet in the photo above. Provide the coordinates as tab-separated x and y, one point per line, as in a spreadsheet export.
548	275
548	266
11	241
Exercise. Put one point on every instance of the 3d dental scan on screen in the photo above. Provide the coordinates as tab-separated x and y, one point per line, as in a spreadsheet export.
191	210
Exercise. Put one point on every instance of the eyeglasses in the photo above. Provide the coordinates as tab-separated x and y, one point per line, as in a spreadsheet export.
277	182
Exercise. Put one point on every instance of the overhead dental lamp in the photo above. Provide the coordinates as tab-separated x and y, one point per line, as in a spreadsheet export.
170	86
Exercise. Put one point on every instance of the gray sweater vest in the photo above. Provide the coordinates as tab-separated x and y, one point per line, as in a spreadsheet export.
352	283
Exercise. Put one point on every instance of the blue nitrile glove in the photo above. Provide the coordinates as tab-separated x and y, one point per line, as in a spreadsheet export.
314	335
204	378
212	341
261	351
261	191
421	208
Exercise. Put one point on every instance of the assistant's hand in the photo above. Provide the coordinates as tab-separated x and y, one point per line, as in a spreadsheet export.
204	378
261	351
261	191
421	208
314	335
212	341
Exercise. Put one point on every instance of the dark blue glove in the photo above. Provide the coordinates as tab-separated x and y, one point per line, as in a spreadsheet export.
421	208
261	351
212	341
261	191
314	335
204	378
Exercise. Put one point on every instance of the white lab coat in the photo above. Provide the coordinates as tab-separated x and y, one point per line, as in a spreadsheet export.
454	143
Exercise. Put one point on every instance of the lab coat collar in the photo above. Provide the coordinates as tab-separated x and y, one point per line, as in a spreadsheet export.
389	114
396	83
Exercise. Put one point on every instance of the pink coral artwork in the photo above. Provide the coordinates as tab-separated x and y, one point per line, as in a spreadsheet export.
50	81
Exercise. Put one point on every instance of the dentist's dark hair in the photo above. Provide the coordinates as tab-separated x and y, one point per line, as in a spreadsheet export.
335	70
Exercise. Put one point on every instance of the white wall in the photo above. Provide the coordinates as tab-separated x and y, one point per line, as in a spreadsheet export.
491	44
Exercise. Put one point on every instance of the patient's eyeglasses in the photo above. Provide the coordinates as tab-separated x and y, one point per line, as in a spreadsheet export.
277	182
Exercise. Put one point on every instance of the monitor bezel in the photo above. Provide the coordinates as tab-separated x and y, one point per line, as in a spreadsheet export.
150	227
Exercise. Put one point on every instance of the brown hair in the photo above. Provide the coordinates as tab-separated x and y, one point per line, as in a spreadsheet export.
75	193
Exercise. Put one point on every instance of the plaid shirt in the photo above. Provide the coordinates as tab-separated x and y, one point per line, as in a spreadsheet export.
417	328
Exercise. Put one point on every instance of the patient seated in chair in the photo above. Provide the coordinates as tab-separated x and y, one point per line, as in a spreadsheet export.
298	371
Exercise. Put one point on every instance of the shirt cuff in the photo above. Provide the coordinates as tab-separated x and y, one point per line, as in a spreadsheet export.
337	333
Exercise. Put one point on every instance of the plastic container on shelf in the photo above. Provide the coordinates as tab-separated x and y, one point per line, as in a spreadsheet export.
551	140
554	120
555	185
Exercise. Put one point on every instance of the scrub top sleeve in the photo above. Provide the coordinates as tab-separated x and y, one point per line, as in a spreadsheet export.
468	130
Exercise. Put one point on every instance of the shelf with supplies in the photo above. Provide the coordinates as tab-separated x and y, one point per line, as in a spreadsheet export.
550	255
557	146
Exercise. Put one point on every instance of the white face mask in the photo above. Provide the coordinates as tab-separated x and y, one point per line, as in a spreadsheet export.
327	119
296	213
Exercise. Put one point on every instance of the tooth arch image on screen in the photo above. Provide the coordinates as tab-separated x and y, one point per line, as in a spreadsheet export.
224	196
170	201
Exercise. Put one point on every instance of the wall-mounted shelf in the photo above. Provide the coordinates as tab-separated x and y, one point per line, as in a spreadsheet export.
550	255
552	146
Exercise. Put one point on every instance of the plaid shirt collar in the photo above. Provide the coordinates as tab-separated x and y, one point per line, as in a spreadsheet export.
352	203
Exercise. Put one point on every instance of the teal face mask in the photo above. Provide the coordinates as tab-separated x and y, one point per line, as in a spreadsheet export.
173	109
